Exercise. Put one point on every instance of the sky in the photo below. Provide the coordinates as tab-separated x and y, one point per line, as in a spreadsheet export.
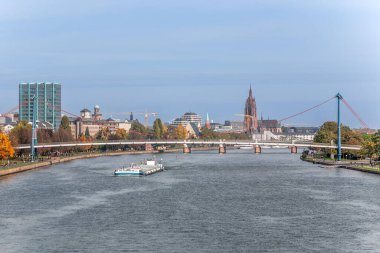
173	56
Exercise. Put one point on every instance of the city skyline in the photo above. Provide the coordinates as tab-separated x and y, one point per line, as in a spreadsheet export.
201	58
235	117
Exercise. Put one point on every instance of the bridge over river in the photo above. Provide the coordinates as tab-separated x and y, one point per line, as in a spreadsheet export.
187	144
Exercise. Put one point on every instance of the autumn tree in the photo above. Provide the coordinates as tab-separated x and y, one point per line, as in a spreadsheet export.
6	149
45	135
137	131
84	139
103	134
21	134
170	132
181	132
328	132
121	134
63	134
371	146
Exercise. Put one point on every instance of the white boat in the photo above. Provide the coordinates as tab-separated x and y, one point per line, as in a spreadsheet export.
147	167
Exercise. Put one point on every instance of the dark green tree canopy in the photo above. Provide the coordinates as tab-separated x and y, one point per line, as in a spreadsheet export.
158	129
138	127
65	123
87	133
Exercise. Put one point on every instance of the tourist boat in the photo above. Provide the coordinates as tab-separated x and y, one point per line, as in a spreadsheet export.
145	168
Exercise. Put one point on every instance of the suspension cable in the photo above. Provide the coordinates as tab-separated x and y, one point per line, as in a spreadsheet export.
356	115
297	114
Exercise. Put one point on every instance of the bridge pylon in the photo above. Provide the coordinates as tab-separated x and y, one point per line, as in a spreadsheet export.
339	147
186	149
222	149
257	149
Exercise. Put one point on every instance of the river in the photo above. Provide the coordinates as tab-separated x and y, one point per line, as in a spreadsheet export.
203	202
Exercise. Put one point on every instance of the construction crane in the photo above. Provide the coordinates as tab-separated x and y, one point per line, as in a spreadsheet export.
244	115
146	116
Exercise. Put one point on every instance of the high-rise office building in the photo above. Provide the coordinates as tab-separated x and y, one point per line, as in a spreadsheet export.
48	105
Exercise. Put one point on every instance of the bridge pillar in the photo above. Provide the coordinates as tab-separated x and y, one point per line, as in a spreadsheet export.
293	149
186	149
222	149
148	147
332	156
257	149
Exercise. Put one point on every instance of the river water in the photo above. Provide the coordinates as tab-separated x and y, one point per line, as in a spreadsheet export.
203	202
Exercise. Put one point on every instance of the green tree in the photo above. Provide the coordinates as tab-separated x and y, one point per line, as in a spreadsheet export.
158	129
87	133
209	134
65	123
371	145
162	127
138	127
137	131
369	149
328	132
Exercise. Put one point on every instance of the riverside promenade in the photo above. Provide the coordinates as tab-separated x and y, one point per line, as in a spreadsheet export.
358	165
58	160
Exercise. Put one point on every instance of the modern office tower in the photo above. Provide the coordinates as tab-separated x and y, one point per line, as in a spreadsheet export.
49	103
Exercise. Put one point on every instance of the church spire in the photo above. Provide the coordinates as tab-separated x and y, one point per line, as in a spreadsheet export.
250	118
207	125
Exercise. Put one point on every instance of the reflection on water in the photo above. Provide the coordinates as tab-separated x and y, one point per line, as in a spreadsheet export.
203	202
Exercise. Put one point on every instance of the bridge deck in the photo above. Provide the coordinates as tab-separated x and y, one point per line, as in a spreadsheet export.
192	142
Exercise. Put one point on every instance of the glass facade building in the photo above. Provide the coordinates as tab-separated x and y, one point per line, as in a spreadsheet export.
48	106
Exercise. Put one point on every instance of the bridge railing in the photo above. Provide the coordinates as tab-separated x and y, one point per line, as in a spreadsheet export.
191	142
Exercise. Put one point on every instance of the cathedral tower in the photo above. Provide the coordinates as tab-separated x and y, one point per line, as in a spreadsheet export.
250	115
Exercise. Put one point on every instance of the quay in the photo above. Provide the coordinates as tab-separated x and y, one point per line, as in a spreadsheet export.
58	160
359	165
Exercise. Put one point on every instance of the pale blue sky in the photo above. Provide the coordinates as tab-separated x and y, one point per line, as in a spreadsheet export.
175	56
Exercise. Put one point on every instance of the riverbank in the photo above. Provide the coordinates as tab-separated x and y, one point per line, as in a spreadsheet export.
58	160
360	165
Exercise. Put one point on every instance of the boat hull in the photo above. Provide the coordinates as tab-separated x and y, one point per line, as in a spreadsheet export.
148	168
128	173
